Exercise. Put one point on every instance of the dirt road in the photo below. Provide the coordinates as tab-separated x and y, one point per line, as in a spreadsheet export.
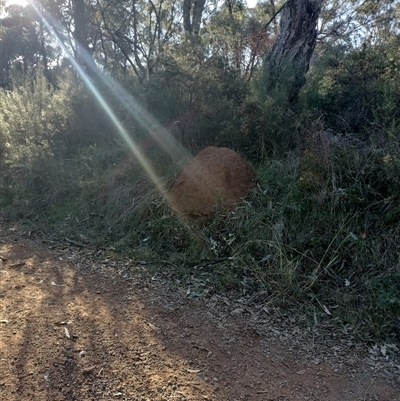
77	325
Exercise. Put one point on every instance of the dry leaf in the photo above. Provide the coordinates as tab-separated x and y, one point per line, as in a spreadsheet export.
193	370
4	321
86	371
392	347
301	372
353	236
18	264
67	332
326	310
226	301
151	325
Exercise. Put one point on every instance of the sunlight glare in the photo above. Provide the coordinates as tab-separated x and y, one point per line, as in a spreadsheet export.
21	3
165	140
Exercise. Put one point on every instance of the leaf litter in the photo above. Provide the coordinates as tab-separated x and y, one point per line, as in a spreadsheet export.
212	346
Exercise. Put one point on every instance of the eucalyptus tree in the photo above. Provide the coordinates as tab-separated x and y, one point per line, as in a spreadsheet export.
139	30
192	15
239	35
24	43
83	53
377	20
355	81
68	21
306	23
289	59
357	21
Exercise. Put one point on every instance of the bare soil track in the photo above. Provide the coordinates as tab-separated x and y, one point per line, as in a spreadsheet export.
79	326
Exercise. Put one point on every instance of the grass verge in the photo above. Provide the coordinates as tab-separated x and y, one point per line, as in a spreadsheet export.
319	235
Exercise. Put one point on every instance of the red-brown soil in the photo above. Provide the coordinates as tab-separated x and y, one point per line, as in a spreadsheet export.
214	177
76	324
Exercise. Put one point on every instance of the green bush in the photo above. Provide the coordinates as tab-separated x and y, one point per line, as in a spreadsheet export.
358	90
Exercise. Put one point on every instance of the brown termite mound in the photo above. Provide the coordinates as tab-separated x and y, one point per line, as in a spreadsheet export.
215	177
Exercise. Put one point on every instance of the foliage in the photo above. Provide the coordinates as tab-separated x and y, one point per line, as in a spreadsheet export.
202	93
42	127
239	36
32	113
19	43
357	90
320	232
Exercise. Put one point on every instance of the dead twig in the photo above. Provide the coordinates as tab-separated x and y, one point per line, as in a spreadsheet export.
211	262
77	243
366	391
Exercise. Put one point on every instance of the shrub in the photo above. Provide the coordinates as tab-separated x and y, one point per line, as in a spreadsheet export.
357	90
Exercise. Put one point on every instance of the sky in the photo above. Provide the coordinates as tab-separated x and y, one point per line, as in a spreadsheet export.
252	3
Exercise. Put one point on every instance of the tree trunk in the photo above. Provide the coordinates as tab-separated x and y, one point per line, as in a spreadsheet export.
191	23
83	55
197	13
43	53
187	5
289	59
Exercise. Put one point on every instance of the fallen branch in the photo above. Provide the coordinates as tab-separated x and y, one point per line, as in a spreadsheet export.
77	243
212	262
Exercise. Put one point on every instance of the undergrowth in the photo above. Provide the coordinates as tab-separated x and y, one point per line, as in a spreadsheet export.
320	233
318	236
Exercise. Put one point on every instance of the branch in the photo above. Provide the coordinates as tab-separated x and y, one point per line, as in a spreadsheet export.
274	16
80	245
114	37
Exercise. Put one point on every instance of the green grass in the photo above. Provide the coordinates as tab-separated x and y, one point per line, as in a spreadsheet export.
320	232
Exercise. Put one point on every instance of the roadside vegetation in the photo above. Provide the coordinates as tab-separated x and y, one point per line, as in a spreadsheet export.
320	234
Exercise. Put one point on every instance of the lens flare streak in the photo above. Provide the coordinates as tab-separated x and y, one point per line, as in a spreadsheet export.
165	140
